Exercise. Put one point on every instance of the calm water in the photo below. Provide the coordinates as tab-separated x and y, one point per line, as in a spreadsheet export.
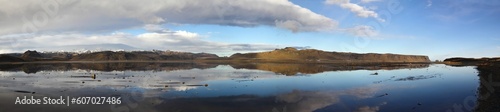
217	88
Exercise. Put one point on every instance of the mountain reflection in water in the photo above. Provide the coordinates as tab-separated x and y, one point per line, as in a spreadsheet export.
278	68
268	87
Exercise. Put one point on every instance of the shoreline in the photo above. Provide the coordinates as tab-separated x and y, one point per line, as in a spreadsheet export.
225	62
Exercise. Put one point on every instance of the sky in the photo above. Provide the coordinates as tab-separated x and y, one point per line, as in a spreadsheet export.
439	29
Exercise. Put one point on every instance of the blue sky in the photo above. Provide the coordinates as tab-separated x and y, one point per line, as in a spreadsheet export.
437	28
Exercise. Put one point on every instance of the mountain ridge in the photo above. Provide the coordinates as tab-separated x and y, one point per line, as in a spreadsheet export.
313	55
286	55
460	61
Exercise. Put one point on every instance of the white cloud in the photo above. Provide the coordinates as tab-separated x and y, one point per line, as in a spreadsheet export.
363	31
183	88
429	3
71	24
369	1
355	8
308	101
368	109
153	28
107	16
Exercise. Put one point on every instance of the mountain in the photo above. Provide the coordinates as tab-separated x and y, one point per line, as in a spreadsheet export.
109	55
58	55
31	55
104	56
286	55
8	58
313	55
140	55
459	61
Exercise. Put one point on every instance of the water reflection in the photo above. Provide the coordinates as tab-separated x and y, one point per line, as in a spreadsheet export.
293	69
278	68
207	87
489	91
37	67
294	101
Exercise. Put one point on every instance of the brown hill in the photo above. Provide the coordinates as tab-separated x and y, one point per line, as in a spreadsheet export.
313	55
7	58
58	55
109	55
459	61
106	56
140	55
31	55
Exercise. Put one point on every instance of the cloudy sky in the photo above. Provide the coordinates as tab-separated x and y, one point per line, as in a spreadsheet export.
439	29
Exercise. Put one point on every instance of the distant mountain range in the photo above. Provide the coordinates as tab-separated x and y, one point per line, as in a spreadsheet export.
104	56
141	55
286	55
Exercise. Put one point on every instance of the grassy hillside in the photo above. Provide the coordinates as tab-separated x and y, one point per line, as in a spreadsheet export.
109	55
7	58
140	55
458	61
313	55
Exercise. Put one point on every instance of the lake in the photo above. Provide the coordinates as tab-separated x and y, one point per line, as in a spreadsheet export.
191	87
